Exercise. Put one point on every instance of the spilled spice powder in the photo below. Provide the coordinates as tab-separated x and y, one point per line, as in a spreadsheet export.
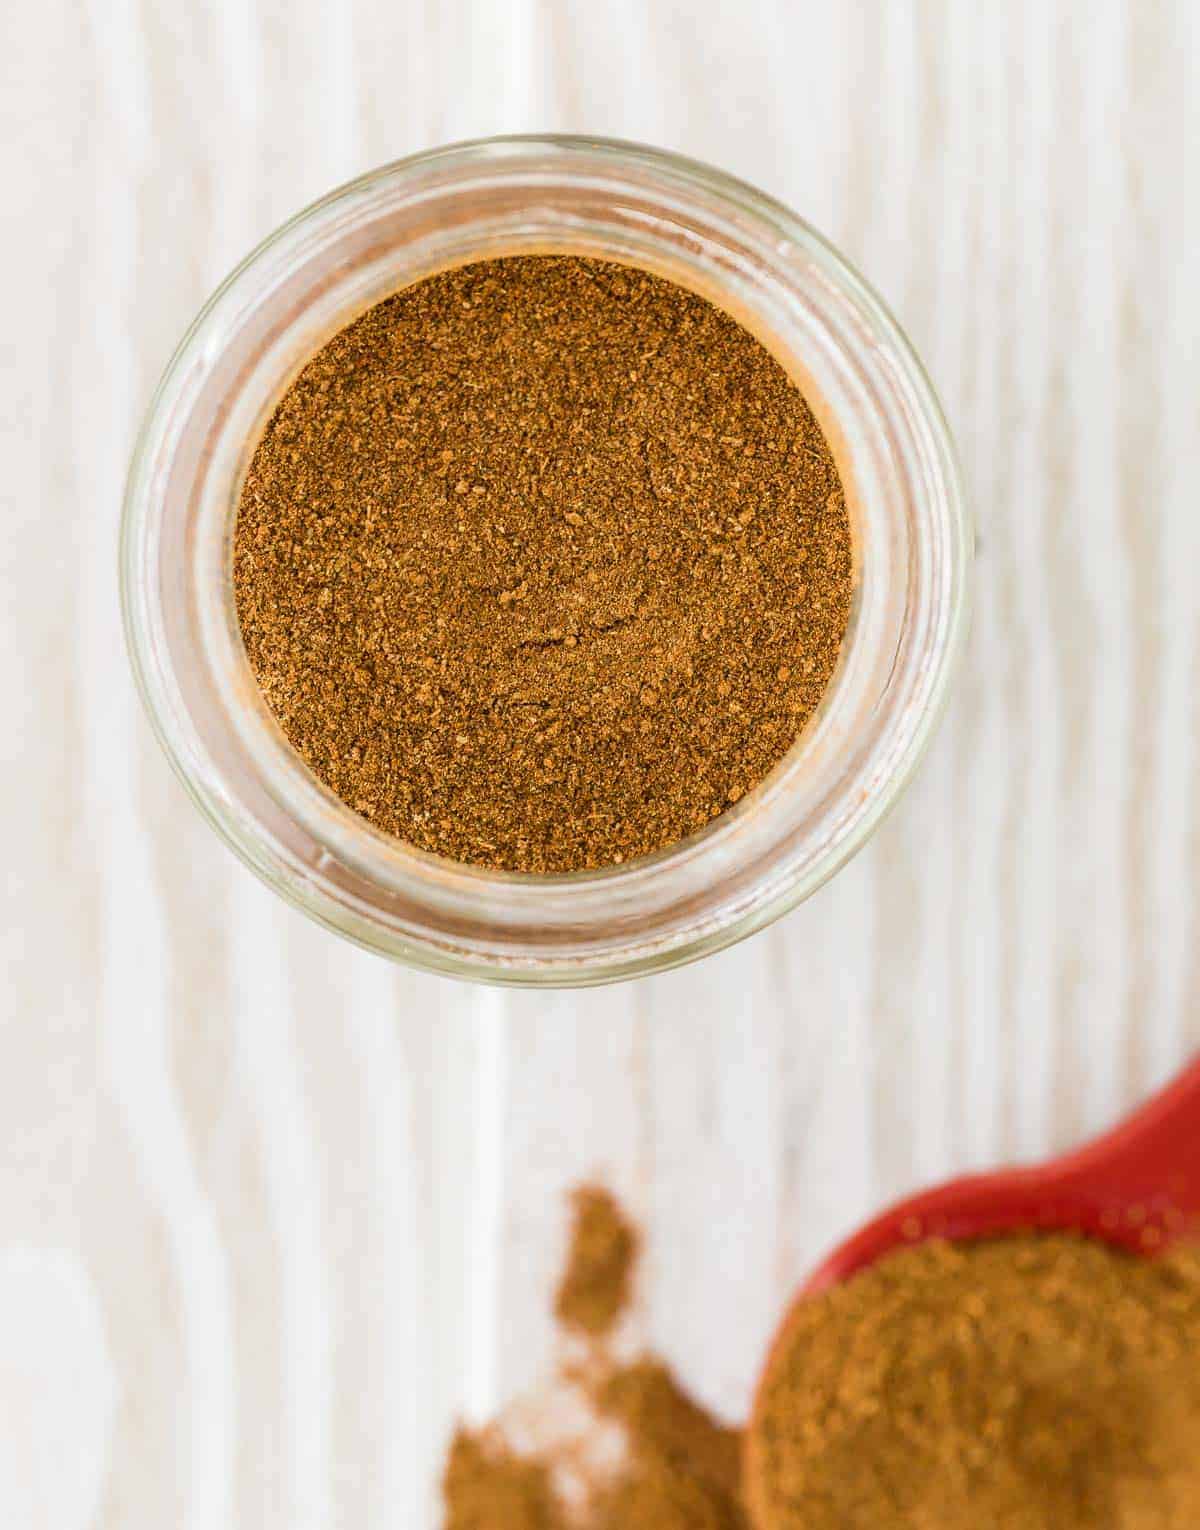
542	563
487	1486
683	1468
594	1288
675	1467
1037	1383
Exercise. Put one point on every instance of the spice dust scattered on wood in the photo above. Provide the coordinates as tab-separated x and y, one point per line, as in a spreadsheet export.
672	1467
542	563
594	1288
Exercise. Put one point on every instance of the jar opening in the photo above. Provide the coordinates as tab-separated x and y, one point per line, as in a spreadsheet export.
694	227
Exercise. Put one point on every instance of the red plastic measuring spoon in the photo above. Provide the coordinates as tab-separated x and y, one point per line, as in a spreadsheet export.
1137	1187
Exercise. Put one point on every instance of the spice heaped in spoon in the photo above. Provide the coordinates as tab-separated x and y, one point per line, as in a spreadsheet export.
1137	1187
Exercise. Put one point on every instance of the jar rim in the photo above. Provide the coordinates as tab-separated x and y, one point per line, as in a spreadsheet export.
563	929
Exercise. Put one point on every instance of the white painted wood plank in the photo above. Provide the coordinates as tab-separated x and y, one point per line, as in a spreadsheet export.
714	1123
572	1112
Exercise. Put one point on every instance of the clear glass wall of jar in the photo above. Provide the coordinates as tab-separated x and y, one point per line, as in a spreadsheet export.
620	202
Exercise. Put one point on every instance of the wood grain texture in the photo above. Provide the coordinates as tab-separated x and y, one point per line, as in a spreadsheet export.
273	1214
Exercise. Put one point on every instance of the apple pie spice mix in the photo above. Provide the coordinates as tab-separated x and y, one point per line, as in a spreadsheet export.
542	564
1040	1382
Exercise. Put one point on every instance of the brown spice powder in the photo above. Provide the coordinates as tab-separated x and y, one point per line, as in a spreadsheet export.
679	1469
1039	1383
683	1470
487	1486
542	563
595	1284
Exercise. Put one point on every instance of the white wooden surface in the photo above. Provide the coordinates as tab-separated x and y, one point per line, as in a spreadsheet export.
272	1212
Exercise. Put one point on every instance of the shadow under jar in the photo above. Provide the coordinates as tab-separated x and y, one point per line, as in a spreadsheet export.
618	202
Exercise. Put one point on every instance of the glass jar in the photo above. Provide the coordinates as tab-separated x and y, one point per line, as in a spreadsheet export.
620	202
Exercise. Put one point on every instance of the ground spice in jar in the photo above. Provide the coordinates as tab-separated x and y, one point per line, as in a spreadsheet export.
542	563
1039	1383
639	1454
